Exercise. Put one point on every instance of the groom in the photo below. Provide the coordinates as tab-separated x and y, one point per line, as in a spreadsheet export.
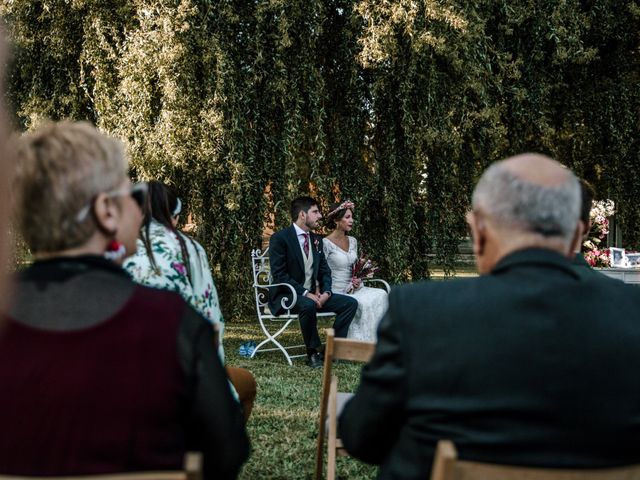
297	258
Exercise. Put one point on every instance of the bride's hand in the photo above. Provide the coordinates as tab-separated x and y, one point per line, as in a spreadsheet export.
357	283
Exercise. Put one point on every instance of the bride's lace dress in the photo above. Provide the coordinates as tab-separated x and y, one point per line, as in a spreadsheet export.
372	302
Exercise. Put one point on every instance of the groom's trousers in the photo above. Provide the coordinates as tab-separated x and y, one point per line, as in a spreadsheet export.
343	306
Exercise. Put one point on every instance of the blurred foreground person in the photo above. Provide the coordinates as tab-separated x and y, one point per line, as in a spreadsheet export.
6	167
167	258
587	195
97	373
532	363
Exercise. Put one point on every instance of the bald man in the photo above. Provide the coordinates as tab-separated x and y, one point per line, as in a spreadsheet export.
531	363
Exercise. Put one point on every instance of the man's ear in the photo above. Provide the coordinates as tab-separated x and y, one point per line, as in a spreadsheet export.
478	233
107	214
576	242
586	228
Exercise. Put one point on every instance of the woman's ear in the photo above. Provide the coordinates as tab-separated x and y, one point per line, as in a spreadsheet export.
107	214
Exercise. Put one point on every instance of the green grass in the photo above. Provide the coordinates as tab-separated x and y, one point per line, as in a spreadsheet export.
284	424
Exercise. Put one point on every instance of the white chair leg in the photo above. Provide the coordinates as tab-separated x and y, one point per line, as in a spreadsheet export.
272	339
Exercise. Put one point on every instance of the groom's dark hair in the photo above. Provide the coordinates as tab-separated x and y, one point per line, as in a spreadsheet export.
301	204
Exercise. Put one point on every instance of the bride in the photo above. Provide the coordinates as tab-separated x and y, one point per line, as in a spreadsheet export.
341	252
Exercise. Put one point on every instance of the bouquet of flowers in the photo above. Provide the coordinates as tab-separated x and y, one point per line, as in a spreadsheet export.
597	258
361	269
599	215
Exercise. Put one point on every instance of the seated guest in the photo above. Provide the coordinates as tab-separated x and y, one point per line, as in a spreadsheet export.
6	165
529	364
99	374
167	258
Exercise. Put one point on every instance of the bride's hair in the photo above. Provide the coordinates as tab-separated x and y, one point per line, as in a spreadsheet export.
337	211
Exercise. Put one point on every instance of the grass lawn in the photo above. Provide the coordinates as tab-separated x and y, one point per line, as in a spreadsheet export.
283	426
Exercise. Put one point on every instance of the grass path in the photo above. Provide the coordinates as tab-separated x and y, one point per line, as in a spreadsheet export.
283	425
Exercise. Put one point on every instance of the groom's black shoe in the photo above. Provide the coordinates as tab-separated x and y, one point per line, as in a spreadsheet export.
314	360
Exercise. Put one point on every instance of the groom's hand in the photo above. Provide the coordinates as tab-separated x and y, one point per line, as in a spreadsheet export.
323	299
315	298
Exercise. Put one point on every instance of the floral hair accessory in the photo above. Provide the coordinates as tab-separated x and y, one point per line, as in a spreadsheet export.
346	205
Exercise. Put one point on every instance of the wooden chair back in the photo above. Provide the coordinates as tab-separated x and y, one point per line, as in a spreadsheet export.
192	470
335	349
447	466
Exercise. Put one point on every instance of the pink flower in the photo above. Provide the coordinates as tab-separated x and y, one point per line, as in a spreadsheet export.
179	267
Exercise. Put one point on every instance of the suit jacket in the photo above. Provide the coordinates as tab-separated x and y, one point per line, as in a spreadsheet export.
287	266
579	261
533	364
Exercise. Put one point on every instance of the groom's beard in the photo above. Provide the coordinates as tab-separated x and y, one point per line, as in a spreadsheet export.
310	225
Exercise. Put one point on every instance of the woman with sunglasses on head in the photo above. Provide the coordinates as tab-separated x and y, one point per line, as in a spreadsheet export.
99	374
167	258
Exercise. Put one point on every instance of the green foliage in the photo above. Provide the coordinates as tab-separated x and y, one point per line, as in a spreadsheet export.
243	105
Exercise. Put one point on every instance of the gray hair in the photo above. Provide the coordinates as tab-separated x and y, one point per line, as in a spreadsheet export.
510	200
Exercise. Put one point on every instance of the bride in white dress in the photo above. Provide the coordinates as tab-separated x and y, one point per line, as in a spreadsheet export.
341	252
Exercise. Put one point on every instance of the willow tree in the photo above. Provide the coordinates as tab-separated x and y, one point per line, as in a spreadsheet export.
242	105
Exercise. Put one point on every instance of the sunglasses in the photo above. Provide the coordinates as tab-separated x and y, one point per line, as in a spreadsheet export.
138	192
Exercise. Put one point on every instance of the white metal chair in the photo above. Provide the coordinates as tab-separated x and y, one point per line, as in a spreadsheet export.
262	281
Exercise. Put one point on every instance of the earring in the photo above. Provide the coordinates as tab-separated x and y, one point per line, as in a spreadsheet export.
115	251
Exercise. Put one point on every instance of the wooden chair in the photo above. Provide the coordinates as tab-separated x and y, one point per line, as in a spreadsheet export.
332	401
262	281
192	471
447	466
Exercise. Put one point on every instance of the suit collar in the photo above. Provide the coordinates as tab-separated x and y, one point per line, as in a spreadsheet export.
579	261
297	230
295	245
538	257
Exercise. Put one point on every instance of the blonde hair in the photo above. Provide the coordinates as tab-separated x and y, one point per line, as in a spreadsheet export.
61	167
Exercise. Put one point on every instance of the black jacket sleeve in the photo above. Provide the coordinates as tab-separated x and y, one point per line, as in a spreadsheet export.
214	420
278	262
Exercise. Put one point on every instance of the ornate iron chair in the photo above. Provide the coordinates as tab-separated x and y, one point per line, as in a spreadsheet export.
271	325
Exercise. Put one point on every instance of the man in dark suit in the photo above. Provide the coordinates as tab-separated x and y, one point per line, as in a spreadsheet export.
532	363
297	258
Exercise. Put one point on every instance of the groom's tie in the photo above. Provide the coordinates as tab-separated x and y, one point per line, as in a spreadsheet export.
305	246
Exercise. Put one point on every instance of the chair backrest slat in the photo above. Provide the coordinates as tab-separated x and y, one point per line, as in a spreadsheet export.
353	350
447	466
192	471
261	267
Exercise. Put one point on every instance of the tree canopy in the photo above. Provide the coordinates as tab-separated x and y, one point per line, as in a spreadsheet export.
398	105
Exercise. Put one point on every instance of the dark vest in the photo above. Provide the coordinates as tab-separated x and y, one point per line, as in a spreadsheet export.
97	400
